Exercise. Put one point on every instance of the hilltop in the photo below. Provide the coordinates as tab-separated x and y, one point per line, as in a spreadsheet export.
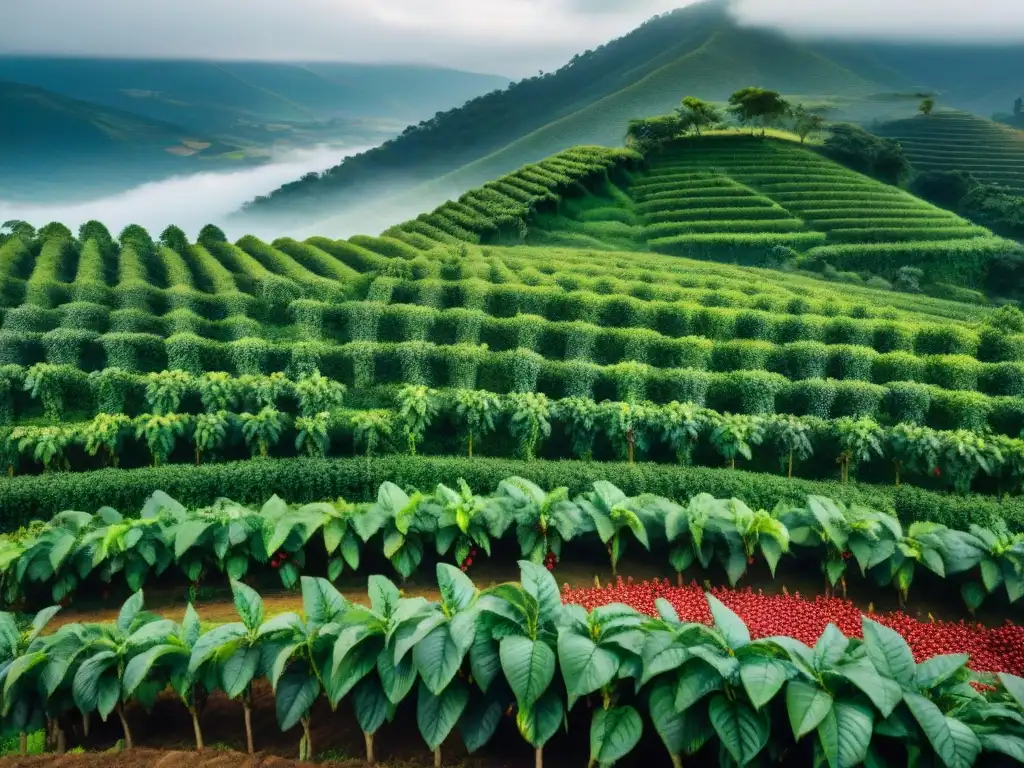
698	50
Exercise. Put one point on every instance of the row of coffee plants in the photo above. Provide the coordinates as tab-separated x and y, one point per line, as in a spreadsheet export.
477	654
232	539
419	418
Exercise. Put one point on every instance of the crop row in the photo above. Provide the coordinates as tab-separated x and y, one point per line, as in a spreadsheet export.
476	655
363	365
438	422
77	549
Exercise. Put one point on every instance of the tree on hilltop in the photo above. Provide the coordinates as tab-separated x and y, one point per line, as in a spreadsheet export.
19	228
696	114
211	233
758	105
95	230
927	106
55	229
174	238
807	121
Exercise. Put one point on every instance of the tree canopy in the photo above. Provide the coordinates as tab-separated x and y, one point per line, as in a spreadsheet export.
758	106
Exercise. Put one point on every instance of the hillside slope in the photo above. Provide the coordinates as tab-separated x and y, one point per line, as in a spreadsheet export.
228	97
956	141
697	50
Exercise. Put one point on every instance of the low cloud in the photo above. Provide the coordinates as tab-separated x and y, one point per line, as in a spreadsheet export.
188	201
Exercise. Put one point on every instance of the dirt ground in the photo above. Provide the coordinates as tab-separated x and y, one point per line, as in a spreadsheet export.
928	597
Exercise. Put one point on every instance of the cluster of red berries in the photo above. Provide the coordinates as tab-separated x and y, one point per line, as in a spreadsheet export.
468	561
992	649
550	560
279	559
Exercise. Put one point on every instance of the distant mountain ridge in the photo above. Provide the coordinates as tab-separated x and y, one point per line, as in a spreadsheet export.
698	50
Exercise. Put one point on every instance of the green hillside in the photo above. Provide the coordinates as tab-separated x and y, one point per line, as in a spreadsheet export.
697	50
956	141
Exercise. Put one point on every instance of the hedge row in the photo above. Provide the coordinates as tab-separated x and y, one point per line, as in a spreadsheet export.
23	499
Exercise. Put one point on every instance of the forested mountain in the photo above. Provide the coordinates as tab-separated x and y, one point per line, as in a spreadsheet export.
699	50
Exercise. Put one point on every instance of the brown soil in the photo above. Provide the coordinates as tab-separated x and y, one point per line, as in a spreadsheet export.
929	598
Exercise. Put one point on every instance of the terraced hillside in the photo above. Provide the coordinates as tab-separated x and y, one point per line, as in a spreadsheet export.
184	352
957	141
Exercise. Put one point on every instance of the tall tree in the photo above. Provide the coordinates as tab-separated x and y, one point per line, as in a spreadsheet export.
174	238
95	230
758	106
19	228
211	233
927	106
697	114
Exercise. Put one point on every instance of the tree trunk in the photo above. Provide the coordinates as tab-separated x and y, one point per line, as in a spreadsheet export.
85	725
124	725
677	761
790	464
732	463
62	743
22	743
308	736
471	445
538	757
248	724
437	757
898	463
679	578
368	738
198	454
196	729
629	437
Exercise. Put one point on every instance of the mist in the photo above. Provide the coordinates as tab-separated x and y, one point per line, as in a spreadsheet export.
190	201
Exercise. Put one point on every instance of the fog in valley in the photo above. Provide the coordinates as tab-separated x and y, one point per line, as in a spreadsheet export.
189	201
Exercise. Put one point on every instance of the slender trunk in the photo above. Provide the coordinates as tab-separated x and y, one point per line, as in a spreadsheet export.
62	743
368	738
196	729
124	725
437	757
471	445
22	743
679	578
677	761
85	725
791	464
308	736
538	757
198	454
842	581
248	724
10	470
898	464
732	463
629	436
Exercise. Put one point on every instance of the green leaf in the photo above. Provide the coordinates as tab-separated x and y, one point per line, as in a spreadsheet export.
484	658
384	595
479	722
529	667
136	671
350	552
438	714
396	679
370	704
762	678
296	692
614	733
807	705
731	626
696	680
845	735
667	722
109	691
938	669
539	723
85	687
884	693
457	590
321	602
1003	743
1014	686
437	658
889	652
742	730
187	534
131	608
538	582
238	670
211	642
249	605
586	667
953	746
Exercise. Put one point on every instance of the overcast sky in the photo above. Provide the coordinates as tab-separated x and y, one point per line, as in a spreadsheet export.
510	37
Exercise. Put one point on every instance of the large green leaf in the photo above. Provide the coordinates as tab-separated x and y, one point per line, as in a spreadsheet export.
321	602
538	582
437	658
370	704
845	734
586	666
938	669
667	722
529	667
187	534
731	626
762	678
108	693
696	680
296	692
807	705
884	693
136	671
889	652
742	730
437	714
1014	686
238	669
396	679
613	734
210	643
85	687
481	719
1004	743
131	608
249	605
457	591
954	743
539	723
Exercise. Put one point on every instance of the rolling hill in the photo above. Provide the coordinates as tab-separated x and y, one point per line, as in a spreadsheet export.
698	50
952	140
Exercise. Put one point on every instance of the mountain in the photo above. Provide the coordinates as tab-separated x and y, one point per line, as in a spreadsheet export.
252	100
698	50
